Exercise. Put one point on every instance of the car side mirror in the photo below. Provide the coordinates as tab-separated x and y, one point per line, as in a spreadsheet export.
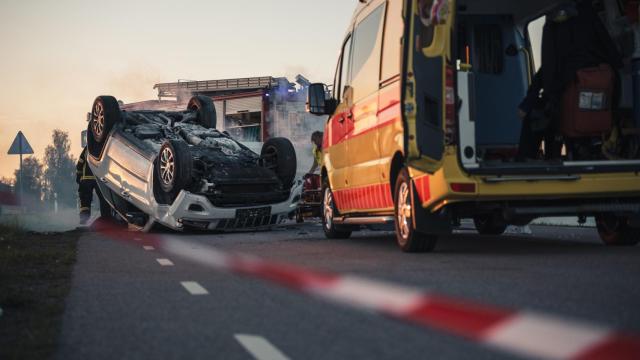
318	100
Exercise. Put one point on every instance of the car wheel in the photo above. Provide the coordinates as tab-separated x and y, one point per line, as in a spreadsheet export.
489	225
173	168
615	230
105	113
407	237
206	110
329	213
279	155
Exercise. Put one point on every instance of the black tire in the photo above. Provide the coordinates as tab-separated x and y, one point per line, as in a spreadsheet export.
407	237
279	155
615	230
329	212
173	166
206	110
489	225
105	113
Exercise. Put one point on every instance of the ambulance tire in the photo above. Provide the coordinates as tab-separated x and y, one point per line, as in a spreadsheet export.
206	110
329	212
489	225
615	230
105	113
408	238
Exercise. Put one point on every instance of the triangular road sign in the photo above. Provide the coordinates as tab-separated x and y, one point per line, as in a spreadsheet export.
20	146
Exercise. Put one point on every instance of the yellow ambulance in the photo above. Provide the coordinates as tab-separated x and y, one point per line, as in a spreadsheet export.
424	126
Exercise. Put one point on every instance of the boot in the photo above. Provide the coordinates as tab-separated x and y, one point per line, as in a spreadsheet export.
85	215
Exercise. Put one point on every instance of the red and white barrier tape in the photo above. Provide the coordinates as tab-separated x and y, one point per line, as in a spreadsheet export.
519	332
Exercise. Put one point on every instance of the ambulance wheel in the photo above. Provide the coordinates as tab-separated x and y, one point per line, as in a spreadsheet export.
206	110
105	113
329	213
615	230
408	238
489	225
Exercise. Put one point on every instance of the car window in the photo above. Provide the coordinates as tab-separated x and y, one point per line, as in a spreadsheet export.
534	30
367	44
342	72
427	30
393	31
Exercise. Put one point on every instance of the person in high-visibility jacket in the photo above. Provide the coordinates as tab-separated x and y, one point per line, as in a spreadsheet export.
316	140
86	185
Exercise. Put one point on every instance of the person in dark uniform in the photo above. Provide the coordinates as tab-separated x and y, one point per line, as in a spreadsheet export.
573	38
86	185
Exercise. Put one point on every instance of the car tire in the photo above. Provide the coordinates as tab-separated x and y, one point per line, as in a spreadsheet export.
174	166
615	230
489	225
329	212
279	155
105	113
408	238
206	110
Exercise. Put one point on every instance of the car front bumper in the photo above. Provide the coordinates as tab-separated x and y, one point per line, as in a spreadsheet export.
192	211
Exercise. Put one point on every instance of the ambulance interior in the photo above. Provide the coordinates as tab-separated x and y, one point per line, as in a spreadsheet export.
496	50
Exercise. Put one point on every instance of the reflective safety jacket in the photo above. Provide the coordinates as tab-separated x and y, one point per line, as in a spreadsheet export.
317	155
83	172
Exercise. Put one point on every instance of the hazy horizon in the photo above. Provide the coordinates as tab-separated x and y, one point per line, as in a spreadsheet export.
58	56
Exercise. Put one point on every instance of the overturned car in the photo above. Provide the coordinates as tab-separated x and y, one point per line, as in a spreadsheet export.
175	169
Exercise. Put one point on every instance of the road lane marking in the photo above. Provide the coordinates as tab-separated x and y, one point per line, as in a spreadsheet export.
164	262
260	348
137	239
148	248
194	288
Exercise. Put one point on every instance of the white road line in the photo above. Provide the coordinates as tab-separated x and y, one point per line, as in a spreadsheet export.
260	348
149	248
137	239
164	262
194	288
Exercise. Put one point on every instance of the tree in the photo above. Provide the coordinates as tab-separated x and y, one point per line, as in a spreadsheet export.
60	173
32	175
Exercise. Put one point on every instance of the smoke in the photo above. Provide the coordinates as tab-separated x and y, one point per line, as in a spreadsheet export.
134	84
43	222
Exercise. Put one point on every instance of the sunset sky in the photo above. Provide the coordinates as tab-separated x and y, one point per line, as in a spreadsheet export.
57	56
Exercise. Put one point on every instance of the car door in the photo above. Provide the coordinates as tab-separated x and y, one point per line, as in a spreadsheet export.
339	126
362	140
427	81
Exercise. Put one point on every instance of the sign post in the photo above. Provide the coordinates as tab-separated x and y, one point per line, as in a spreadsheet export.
20	146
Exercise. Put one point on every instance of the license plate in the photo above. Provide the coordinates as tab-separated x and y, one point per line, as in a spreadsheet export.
254	213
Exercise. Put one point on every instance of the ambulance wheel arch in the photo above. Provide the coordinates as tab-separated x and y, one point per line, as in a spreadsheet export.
397	164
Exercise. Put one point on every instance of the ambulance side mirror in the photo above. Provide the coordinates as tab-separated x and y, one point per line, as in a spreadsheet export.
318	101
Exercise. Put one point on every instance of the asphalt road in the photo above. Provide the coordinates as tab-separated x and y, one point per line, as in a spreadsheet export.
125	304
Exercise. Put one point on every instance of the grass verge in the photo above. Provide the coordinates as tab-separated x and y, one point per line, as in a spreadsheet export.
35	278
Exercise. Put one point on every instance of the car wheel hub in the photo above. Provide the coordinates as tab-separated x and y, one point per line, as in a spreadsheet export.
328	209
404	211
98	119
167	166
